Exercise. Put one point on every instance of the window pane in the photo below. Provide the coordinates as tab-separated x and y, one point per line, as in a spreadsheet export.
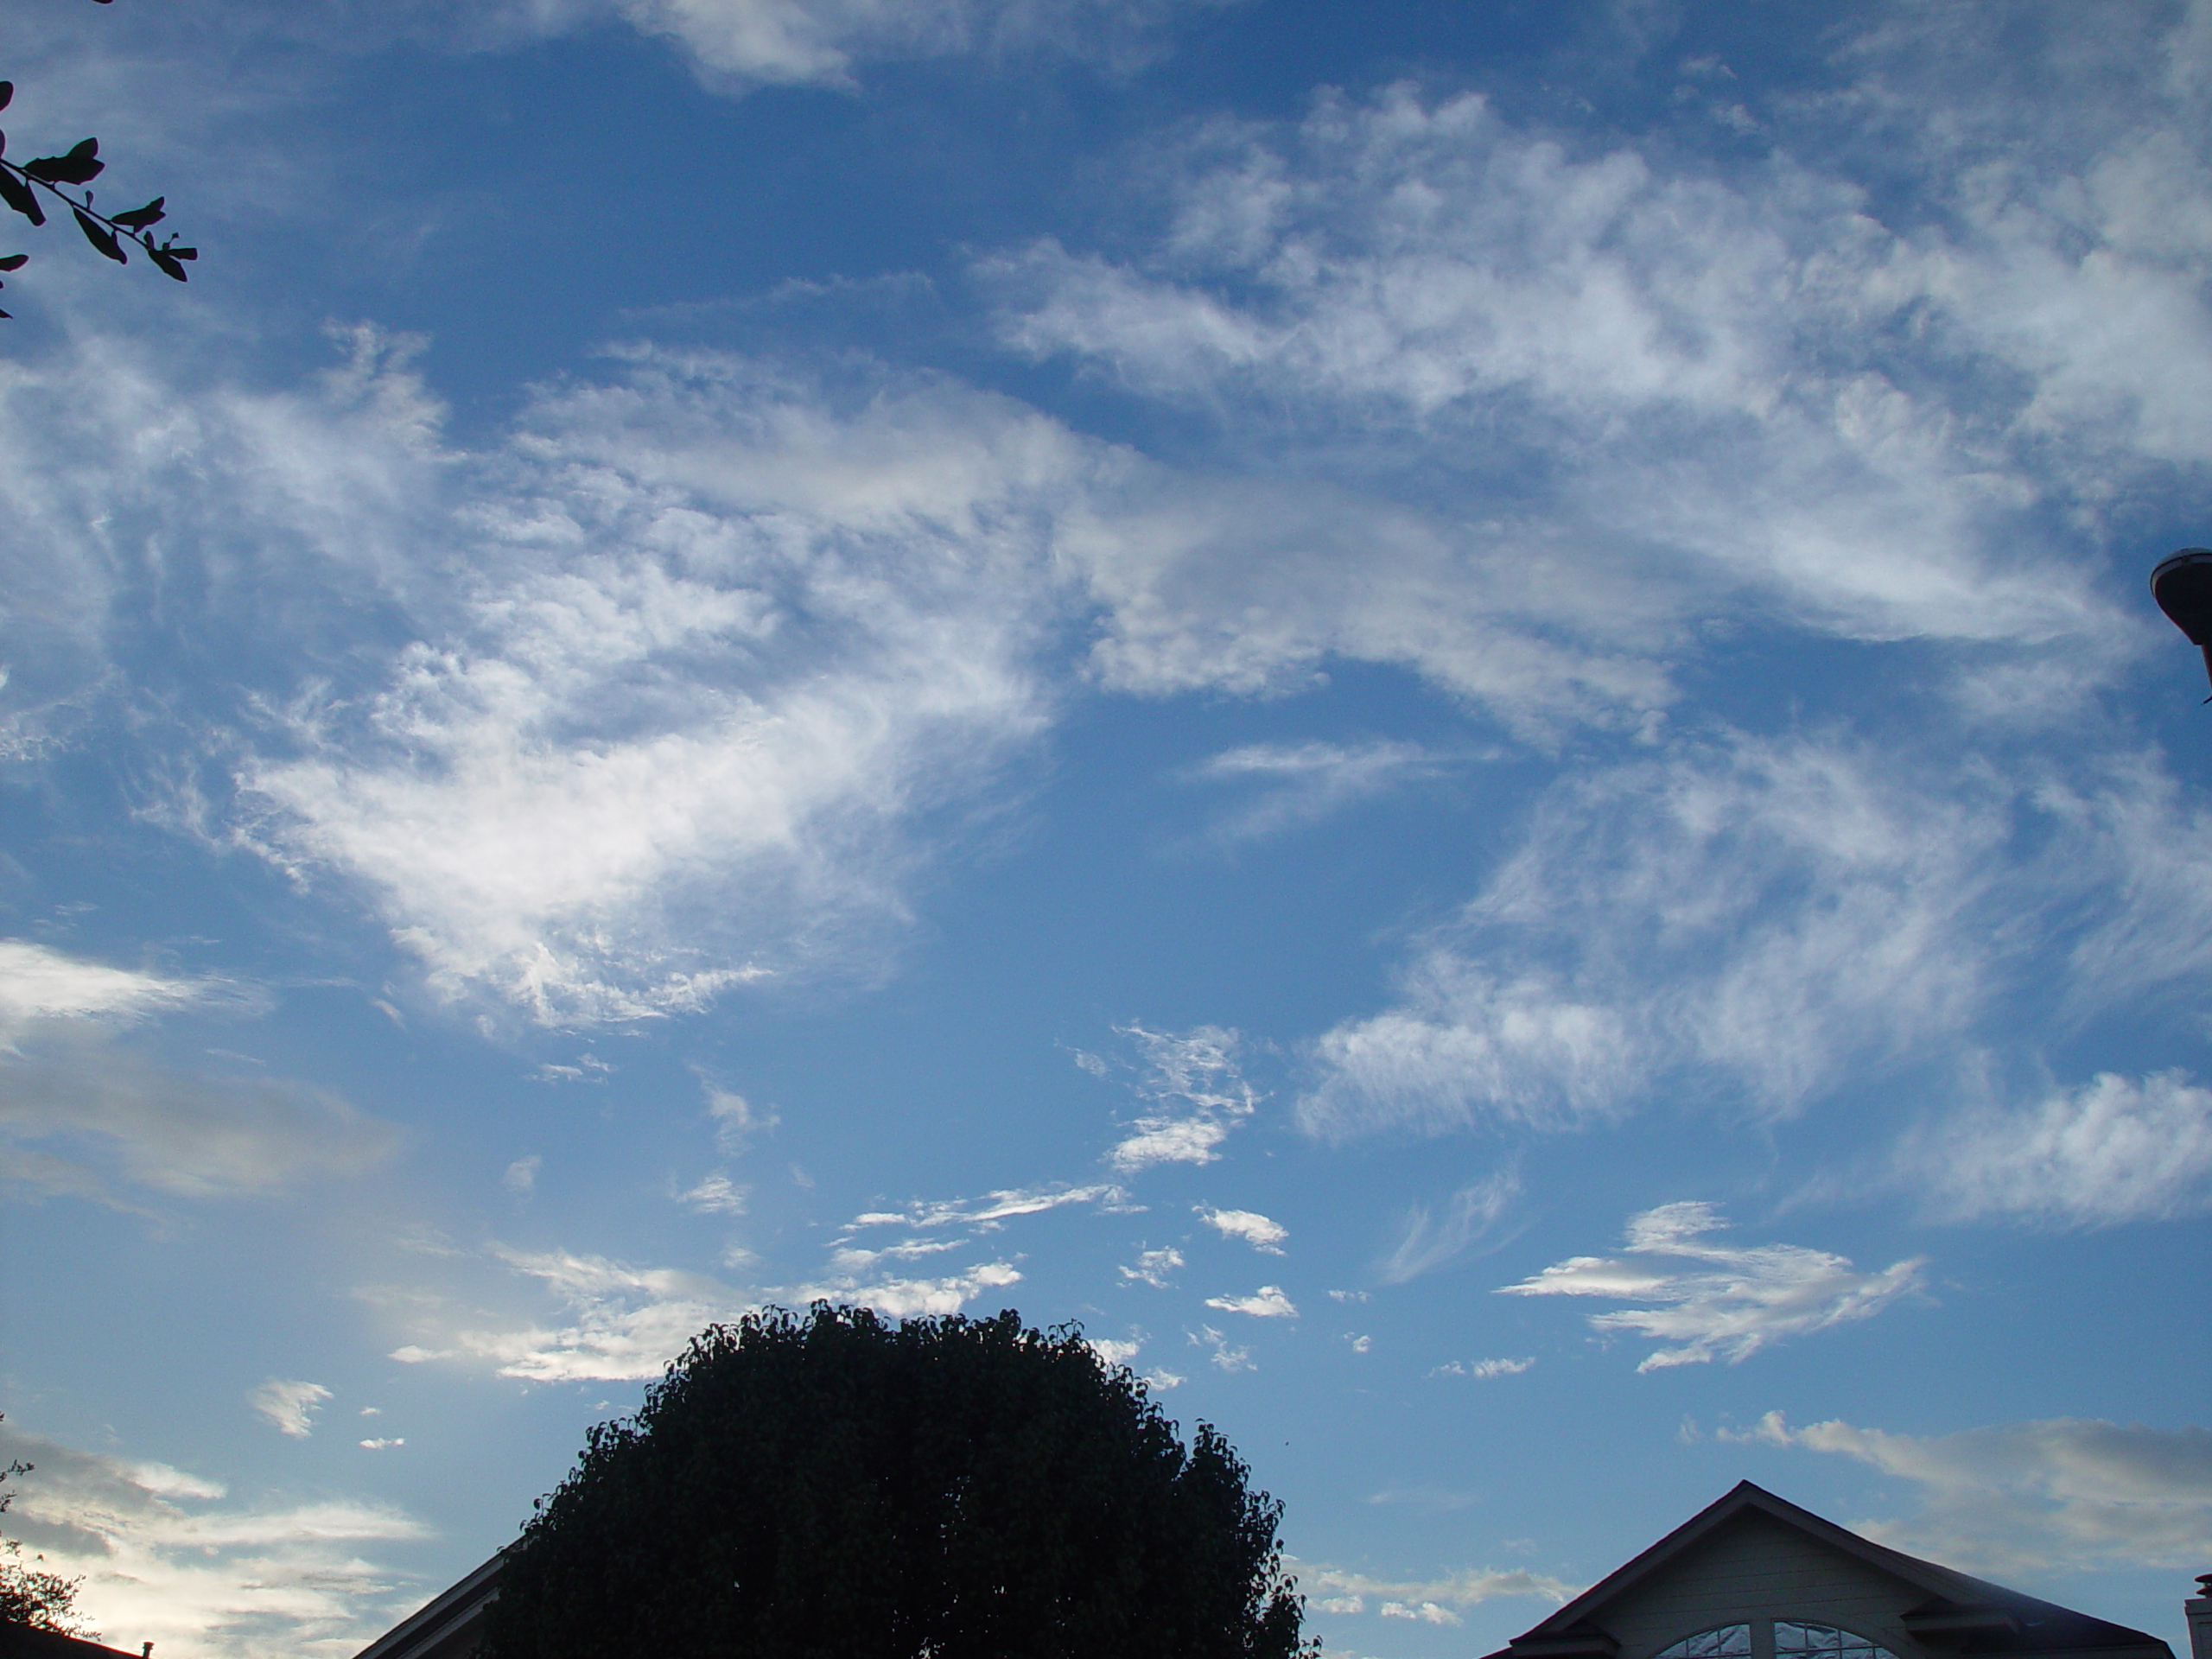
1729	1642
1795	1641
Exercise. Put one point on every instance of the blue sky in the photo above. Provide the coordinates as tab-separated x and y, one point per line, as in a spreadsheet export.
1446	714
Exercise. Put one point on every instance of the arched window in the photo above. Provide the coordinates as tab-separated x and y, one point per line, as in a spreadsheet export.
1727	1642
1796	1641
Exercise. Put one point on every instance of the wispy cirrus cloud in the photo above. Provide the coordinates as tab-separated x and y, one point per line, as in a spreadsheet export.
2030	1497
1716	1300
1614	319
1428	1242
1766	917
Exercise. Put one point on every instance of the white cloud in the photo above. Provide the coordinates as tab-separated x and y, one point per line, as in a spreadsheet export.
1198	1094
1266	1303
1154	1267
2113	1150
1429	1242
166	1559
1253	1228
1717	1299
383	1444
1224	1356
288	1405
1115	1353
2065	1493
521	1176
1428	1611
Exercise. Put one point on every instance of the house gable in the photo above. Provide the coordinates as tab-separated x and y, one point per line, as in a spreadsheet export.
1752	1559
1751	1567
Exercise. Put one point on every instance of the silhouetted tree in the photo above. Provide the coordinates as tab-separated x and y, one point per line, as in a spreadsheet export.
836	1485
21	186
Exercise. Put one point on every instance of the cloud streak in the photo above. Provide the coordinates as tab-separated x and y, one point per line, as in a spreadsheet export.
1715	1300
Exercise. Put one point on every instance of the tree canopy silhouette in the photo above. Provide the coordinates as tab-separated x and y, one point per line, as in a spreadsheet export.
836	1485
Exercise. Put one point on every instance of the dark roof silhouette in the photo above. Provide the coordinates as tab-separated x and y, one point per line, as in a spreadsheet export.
449	1626
1960	1614
26	1642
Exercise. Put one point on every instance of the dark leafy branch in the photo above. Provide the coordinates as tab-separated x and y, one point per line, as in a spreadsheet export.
20	185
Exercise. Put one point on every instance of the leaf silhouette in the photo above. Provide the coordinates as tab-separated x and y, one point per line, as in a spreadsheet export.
80	166
14	262
101	236
17	195
139	218
7	92
166	262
